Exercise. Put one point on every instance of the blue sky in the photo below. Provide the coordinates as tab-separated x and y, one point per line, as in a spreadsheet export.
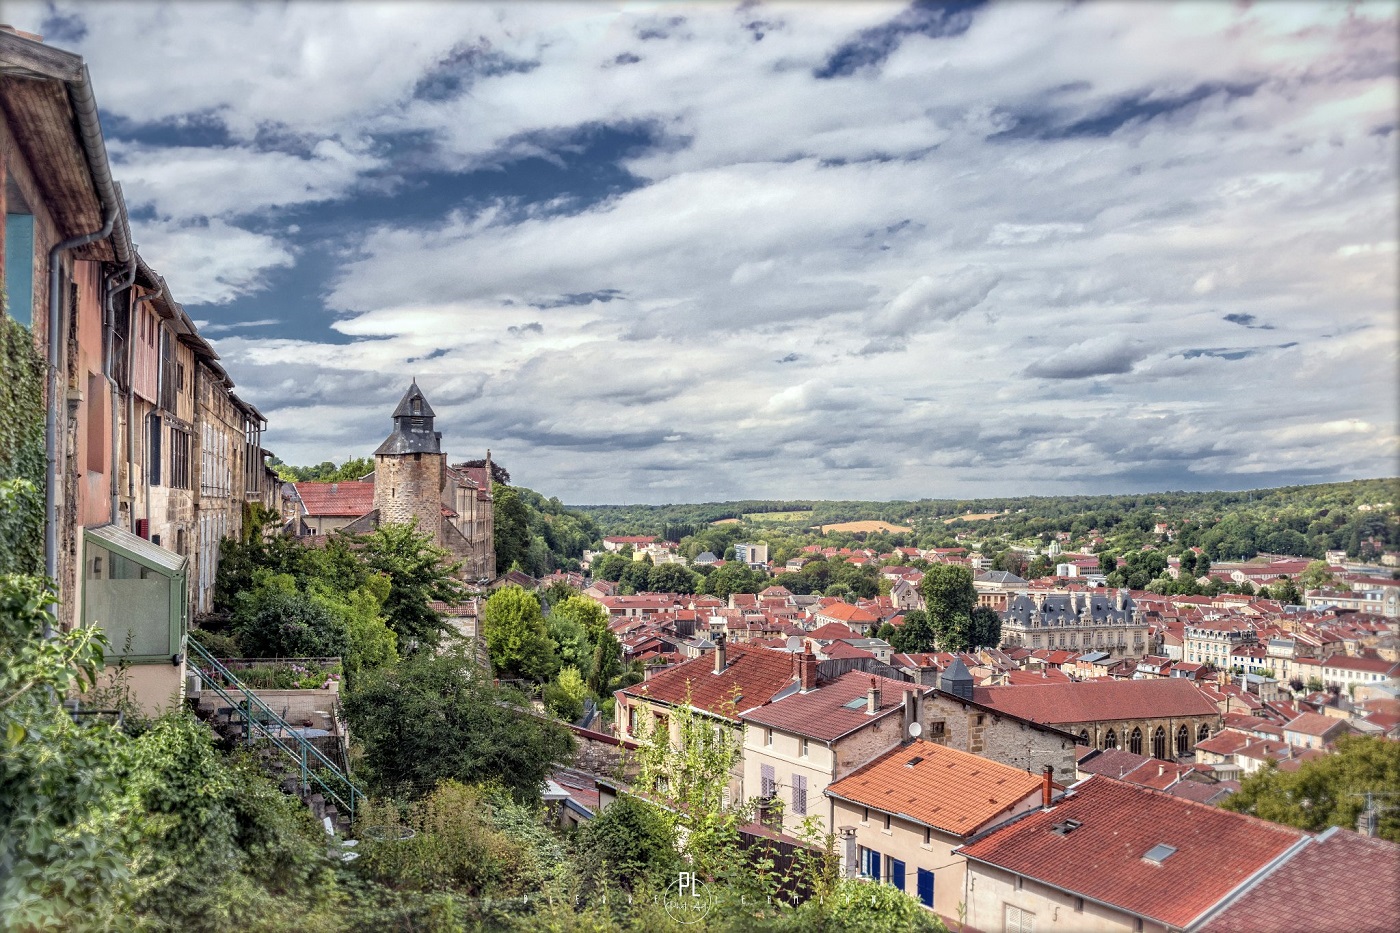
653	252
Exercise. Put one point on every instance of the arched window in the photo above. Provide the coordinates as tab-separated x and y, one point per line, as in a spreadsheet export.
1083	736
1159	743
1183	740
1203	733
1135	742
1110	739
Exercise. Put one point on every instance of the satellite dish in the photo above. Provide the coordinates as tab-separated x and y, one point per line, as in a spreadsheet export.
915	729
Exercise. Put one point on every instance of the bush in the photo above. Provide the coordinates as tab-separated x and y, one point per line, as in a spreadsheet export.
565	695
276	621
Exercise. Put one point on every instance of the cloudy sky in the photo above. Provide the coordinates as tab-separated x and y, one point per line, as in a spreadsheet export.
652	252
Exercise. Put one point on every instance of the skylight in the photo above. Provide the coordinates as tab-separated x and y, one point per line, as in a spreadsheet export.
1065	828
857	703
1159	853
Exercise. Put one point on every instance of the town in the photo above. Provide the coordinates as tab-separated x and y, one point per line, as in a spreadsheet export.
399	691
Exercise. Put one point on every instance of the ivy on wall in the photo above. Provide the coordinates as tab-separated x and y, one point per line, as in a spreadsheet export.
21	450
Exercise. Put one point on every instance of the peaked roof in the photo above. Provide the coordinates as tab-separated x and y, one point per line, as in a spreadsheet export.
405	408
823	713
939	786
751	678
353	498
1095	700
1213	850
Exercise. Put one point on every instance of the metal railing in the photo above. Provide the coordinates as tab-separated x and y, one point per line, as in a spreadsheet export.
260	722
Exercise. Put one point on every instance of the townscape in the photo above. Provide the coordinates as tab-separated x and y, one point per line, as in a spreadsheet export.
399	691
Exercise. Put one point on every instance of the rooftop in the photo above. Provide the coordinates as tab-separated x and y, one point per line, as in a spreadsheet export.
337	500
941	787
1093	701
825	713
752	676
1094	843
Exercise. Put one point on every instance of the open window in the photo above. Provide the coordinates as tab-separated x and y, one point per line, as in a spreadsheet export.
137	593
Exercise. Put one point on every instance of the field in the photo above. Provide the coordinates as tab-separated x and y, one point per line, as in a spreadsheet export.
726	521
796	515
866	526
979	517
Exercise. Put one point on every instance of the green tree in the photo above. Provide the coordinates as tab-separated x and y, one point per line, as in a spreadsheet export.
949	598
435	716
276	620
512	527
672	578
607	665
565	694
1286	591
1326	791
369	640
609	567
419	572
630	845
915	635
515	634
1315	575
985	631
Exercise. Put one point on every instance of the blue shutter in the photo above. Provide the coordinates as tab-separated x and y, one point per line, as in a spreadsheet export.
925	883
897	873
19	267
870	864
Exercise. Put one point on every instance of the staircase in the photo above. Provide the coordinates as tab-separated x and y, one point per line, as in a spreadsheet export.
301	767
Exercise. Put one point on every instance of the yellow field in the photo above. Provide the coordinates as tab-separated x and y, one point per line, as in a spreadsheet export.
865	526
978	517
726	521
793	516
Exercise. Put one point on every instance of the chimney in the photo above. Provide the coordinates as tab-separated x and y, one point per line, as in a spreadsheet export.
1047	786
911	710
721	659
807	670
872	699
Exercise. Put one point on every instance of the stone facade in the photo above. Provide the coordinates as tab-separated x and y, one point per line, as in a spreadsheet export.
408	487
980	730
1083	621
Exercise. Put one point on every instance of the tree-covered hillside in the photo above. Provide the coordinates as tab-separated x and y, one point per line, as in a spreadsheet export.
1360	517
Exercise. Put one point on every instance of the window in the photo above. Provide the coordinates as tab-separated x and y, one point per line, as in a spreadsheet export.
1110	739
1135	742
1159	743
19	263
799	794
1203	733
97	423
631	720
1079	905
804	749
179	458
1083	737
1019	921
1183	740
887	822
865	814
870	863
924	886
928	836
153	460
897	873
767	784
768	737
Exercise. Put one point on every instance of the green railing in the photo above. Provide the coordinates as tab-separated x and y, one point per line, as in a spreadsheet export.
260	722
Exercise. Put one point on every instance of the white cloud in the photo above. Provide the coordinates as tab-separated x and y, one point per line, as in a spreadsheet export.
211	263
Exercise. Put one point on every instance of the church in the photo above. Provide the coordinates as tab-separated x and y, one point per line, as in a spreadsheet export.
412	481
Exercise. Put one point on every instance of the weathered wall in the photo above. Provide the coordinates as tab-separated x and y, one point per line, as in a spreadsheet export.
991	890
409	486
975	729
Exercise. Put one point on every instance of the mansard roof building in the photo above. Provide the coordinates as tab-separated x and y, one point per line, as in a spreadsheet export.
1107	621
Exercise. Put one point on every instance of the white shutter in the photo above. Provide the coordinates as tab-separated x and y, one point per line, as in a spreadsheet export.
1019	921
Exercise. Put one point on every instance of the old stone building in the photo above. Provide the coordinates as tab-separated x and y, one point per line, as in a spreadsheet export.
1163	718
1083	621
412	482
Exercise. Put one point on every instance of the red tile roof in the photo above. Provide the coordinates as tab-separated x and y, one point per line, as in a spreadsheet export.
822	713
845	612
1339	881
1314	724
353	498
942	787
1102	858
832	631
1099	700
840	650
750	679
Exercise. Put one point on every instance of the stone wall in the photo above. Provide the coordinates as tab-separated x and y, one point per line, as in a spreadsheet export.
980	730
409	486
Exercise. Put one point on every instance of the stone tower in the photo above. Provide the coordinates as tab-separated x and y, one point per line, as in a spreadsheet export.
410	467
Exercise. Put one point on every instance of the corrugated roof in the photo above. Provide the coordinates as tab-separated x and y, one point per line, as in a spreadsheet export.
139	549
942	787
1102	857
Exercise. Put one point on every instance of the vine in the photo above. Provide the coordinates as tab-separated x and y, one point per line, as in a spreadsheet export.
21	449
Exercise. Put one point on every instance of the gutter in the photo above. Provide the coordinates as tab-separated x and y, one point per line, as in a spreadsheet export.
95	150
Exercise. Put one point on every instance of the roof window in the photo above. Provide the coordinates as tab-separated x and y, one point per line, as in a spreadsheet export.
913	761
857	703
1159	853
1066	827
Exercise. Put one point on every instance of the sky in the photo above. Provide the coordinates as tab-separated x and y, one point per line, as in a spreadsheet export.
672	252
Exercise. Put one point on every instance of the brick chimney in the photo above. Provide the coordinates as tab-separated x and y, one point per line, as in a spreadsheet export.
872	699
807	670
721	655
1047	785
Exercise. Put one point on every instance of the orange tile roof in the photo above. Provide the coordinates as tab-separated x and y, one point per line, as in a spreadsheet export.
1103	857
941	787
752	676
1094	701
354	498
845	612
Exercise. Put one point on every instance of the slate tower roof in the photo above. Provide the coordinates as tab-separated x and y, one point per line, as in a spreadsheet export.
413	427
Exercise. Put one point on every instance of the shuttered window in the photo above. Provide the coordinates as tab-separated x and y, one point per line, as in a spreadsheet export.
799	794
1019	921
767	783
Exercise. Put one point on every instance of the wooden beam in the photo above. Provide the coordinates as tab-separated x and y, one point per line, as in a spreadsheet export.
38	59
